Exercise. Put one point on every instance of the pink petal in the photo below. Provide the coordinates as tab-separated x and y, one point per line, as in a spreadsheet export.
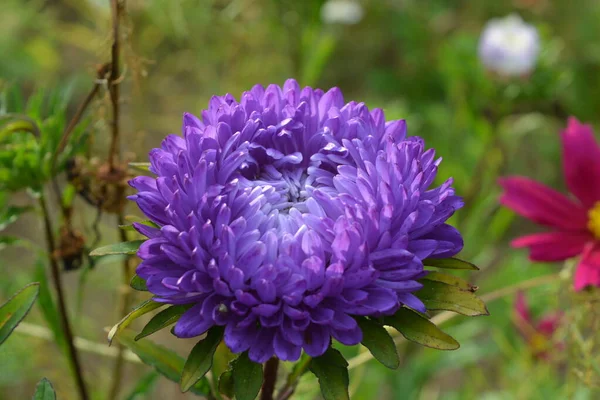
549	324
541	204
581	162
588	270
522	308
553	246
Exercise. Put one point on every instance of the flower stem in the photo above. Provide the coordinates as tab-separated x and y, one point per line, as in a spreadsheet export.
448	315
62	308
270	379
292	380
124	304
116	9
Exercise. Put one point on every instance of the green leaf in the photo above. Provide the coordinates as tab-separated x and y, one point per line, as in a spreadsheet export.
379	342
450	280
16	308
162	320
222	361
137	312
138	284
416	328
247	378
200	359
226	384
449	263
135	218
68	195
165	361
6	241
143	387
331	369
118	248
10	215
441	296
140	166
44	391
130	227
47	305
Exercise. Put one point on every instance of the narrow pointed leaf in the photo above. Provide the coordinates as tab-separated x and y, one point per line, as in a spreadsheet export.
247	378
143	387
16	308
140	166
118	248
48	306
130	227
138	284
449	263
441	296
331	369
450	280
165	361
200	359
137	312
10	215
44	391
135	218
416	328
379	342
162	320
6	241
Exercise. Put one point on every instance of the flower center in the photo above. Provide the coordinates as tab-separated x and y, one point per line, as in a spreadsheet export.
594	220
288	188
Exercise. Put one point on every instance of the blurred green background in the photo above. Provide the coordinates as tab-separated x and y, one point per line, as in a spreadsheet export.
416	59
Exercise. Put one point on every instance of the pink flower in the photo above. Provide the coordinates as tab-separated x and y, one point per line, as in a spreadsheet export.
539	333
574	222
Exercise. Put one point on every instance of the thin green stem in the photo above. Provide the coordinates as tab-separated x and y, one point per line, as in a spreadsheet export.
448	315
292	380
62	308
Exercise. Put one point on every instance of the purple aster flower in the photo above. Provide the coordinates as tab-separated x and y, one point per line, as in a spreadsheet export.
285	215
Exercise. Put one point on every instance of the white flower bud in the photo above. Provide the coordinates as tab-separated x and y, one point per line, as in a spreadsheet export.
346	12
509	46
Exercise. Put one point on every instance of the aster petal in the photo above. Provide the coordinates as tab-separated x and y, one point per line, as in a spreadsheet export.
262	348
348	337
316	340
541	204
239	339
193	323
285	350
287	214
412	301
581	162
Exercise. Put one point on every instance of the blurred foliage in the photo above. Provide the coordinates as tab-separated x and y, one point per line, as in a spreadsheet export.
30	136
417	59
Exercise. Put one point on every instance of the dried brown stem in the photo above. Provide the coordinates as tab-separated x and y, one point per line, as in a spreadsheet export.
62	308
124	304
116	9
270	379
100	73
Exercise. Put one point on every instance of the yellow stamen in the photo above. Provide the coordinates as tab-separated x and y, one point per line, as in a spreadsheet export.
594	220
